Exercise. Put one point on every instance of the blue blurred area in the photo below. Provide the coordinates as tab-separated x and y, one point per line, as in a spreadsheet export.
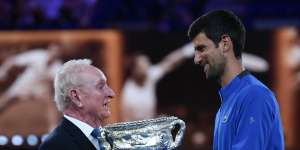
158	15
264	14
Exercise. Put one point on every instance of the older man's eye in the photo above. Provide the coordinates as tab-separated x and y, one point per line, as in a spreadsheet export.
101	86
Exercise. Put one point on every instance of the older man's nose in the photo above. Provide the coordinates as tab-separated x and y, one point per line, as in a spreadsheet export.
111	93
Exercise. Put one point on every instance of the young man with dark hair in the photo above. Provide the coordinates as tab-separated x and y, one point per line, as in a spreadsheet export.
249	116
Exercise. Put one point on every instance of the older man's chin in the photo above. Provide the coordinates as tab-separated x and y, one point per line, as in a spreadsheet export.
107	114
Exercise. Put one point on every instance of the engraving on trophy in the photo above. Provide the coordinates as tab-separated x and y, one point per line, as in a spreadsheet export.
152	134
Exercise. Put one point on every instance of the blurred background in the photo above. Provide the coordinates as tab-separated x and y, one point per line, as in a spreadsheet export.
37	36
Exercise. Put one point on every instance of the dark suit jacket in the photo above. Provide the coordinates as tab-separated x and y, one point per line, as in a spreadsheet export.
67	136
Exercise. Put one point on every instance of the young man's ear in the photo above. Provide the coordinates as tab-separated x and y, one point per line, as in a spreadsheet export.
226	42
73	93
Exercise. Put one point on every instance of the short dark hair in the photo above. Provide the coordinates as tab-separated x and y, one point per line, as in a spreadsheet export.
217	23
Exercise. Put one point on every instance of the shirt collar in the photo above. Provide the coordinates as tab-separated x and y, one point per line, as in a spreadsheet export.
227	90
243	73
84	127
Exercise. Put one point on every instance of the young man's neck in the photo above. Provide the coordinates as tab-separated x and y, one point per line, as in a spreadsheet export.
233	68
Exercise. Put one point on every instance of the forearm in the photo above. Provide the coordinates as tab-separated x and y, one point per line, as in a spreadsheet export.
5	68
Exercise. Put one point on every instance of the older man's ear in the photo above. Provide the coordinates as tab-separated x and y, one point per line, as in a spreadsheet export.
73	93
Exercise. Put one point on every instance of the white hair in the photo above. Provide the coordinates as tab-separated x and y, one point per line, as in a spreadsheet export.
66	78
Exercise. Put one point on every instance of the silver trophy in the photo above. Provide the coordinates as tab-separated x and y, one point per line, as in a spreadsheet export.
152	134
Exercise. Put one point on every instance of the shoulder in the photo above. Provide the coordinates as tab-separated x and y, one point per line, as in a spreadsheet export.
258	96
57	139
54	139
253	88
256	90
66	136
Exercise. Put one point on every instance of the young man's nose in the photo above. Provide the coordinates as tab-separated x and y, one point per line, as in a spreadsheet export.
197	58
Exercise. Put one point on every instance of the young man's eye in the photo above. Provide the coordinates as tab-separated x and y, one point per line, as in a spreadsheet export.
203	49
200	48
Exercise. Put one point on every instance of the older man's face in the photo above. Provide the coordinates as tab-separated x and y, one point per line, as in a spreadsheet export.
95	94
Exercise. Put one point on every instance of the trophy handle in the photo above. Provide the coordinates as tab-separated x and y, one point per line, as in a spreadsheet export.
180	133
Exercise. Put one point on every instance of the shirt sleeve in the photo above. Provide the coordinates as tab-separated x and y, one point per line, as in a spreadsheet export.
255	120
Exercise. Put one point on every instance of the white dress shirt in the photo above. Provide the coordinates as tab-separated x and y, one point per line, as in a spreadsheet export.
85	128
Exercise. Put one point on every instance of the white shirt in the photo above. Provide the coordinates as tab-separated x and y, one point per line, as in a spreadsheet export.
139	102
85	128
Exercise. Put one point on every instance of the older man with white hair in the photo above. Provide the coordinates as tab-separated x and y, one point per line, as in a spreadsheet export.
82	95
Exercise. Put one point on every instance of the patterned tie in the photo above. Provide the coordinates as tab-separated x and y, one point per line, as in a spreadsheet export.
99	135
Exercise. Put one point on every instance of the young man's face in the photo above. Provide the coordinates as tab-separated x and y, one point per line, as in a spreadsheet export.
209	56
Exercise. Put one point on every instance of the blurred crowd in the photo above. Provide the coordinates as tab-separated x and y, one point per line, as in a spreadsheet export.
161	15
158	15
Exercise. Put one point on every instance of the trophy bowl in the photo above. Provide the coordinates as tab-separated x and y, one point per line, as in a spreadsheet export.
164	133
